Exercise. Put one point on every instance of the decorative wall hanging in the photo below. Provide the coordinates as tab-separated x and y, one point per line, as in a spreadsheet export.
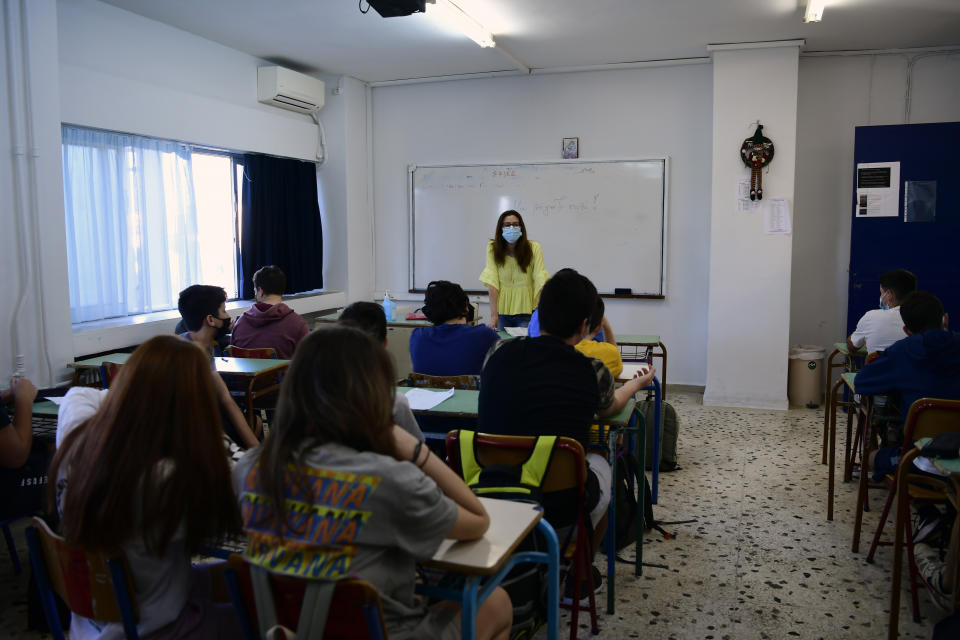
756	152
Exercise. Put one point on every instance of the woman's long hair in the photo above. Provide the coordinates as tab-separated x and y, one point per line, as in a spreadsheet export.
521	250
152	458
339	389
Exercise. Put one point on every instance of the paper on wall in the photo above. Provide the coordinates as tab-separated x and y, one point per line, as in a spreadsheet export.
744	203
776	216
878	190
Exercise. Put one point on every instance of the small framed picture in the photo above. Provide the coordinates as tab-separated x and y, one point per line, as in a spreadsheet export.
571	148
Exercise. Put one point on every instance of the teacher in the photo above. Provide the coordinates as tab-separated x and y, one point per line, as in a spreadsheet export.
514	273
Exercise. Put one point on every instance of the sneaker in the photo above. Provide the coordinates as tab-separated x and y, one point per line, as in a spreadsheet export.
927	521
567	598
930	565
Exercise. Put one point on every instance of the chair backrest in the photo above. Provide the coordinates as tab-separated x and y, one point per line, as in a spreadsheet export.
929	417
466	381
92	584
353	600
261	353
108	372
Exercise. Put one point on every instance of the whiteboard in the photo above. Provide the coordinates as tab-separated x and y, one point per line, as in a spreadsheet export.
606	219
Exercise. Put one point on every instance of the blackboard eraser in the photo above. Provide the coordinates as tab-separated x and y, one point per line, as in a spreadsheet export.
623	291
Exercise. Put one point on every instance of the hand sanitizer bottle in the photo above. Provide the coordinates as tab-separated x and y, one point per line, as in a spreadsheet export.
389	306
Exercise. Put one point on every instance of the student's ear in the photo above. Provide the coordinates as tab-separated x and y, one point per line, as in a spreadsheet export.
907	331
946	321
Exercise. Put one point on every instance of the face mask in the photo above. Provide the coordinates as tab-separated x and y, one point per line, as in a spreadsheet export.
883	305
224	329
511	234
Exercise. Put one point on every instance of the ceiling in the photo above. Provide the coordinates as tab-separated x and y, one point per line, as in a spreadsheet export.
333	36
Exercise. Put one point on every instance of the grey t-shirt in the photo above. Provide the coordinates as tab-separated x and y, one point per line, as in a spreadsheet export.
403	416
356	514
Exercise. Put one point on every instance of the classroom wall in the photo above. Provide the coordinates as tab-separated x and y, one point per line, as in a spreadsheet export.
616	114
838	93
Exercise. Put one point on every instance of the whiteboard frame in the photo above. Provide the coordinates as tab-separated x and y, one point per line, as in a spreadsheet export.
664	216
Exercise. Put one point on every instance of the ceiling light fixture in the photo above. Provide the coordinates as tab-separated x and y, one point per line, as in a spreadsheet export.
456	18
814	12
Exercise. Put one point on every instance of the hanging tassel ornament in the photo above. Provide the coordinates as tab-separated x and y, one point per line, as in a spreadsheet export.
756	152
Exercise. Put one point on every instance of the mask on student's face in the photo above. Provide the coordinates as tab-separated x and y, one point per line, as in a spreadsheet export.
511	234
224	328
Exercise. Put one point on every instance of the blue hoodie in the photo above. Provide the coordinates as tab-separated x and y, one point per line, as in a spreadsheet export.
924	365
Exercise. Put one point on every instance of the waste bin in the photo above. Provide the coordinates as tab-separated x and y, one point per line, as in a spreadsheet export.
805	376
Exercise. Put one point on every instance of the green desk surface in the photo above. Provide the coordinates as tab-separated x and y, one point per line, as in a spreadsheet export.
464	402
95	362
46	409
248	366
638	339
842	348
849	378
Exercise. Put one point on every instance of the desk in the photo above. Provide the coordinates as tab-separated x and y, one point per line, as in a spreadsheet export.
650	342
629	369
257	377
849	363
463	404
82	366
486	562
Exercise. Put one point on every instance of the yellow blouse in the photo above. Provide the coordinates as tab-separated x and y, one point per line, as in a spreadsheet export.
519	290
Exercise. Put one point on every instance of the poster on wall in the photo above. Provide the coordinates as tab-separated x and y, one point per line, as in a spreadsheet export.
878	190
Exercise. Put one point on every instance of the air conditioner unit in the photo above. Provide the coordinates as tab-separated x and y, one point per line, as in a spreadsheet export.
288	89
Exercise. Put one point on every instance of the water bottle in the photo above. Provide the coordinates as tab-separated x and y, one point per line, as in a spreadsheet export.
389	306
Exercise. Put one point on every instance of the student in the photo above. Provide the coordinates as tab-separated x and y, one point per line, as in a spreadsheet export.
450	347
142	468
924	364
334	430
269	322
16	436
514	273
206	319
880	328
369	317
544	386
607	351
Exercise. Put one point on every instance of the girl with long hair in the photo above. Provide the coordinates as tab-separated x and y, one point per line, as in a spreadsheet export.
514	273
142	468
338	490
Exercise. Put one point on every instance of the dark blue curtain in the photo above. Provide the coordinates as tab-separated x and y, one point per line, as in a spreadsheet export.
280	222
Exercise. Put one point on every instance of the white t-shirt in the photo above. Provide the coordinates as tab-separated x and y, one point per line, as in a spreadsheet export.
879	328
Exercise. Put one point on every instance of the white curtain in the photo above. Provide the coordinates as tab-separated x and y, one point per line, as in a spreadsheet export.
131	223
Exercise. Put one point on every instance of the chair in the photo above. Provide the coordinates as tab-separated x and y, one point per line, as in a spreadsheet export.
466	381
259	392
928	417
11	547
566	473
93	585
262	353
108	372
263	600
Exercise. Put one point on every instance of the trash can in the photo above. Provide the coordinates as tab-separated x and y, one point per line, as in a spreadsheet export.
805	376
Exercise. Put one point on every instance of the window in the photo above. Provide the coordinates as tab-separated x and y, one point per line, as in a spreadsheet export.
145	218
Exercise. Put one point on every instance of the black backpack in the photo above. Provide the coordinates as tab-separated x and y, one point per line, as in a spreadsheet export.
626	501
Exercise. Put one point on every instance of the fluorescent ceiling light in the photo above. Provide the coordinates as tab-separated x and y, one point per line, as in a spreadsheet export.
814	12
455	18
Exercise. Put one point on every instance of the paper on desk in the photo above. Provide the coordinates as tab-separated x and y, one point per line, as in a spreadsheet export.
516	331
424	399
55	400
925	464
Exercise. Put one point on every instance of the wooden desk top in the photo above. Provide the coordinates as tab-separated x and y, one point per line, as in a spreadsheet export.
842	348
638	339
249	366
333	317
510	522
96	361
849	378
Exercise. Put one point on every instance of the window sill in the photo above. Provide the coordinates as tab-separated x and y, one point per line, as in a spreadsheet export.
118	333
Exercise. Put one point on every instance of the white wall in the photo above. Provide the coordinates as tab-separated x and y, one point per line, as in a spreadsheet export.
837	94
616	114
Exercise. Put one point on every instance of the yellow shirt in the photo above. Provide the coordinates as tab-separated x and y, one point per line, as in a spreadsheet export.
608	354
519	290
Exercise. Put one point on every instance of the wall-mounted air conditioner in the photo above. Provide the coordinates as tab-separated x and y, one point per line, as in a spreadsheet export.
288	89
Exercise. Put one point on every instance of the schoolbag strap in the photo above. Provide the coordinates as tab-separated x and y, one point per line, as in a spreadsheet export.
535	467
314	610
469	466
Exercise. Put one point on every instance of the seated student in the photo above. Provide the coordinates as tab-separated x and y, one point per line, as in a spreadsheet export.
142	468
924	364
369	317
334	427
450	347
607	351
16	437
269	323
880	328
544	386
202	308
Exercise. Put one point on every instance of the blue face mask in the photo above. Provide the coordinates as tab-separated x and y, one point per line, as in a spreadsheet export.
511	234
883	305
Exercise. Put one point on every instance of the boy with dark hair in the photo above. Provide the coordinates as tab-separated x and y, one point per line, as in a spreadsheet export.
206	320
924	364
880	328
269	322
451	347
543	386
369	318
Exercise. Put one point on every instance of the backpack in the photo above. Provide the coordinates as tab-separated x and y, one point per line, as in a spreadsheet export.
669	431
626	502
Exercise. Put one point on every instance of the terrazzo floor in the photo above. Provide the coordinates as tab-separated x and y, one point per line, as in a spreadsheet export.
761	560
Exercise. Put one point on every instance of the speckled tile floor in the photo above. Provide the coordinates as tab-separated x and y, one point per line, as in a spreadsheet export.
760	562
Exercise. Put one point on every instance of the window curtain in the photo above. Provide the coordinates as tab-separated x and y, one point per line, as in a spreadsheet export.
131	220
280	222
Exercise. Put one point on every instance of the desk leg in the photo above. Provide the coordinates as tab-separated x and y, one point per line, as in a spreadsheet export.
637	420
863	424
663	357
827	408
468	609
612	522
553	579
901	521
655	467
831	470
